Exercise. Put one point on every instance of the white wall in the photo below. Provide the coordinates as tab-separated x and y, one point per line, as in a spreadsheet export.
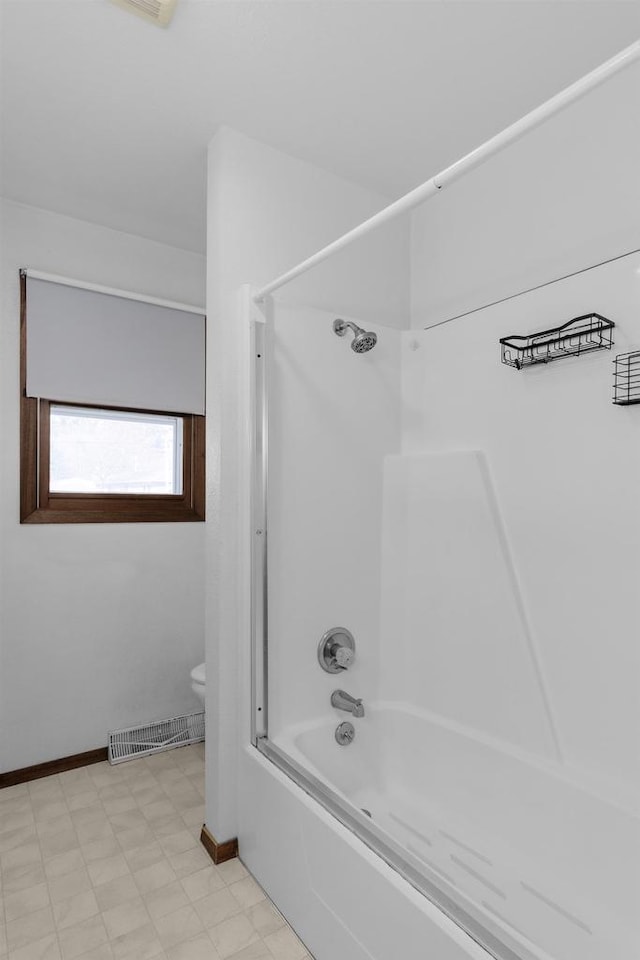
564	197
266	211
100	623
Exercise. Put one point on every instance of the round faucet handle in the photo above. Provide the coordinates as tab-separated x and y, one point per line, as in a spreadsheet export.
344	657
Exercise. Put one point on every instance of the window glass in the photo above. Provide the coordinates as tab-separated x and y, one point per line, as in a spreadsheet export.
113	451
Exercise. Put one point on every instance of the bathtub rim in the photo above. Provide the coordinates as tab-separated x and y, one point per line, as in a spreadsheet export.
360	826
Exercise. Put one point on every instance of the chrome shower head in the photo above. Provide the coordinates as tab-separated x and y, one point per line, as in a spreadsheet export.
362	342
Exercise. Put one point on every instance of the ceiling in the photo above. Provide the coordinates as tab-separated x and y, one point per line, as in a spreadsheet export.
107	118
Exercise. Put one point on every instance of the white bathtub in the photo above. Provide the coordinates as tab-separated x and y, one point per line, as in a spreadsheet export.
547	863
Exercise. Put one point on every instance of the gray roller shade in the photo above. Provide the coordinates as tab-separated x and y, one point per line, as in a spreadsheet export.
95	348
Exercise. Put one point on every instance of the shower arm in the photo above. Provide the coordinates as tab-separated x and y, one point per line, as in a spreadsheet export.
340	327
433	186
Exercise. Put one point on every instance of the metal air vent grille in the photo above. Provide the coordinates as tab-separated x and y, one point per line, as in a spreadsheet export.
158	11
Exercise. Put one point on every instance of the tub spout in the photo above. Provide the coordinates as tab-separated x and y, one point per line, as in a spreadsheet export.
343	701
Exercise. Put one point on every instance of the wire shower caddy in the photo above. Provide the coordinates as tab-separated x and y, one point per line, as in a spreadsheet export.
626	378
591	331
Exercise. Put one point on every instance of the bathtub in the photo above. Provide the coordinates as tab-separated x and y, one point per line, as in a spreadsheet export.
543	863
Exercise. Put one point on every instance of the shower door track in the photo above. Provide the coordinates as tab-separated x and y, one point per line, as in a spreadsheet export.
343	811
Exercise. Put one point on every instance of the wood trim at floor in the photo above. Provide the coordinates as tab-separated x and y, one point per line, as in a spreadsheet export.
219	852
51	767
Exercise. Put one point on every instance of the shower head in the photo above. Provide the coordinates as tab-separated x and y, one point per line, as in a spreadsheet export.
362	342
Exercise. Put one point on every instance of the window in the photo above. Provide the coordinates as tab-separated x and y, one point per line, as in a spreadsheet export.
114	451
83	463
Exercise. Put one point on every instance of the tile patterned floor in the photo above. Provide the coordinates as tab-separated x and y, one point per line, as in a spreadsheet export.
105	863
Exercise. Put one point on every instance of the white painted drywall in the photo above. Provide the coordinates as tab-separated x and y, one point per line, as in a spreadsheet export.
100	623
563	198
266	211
565	466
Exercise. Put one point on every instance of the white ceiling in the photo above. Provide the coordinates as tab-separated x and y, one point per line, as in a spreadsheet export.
107	118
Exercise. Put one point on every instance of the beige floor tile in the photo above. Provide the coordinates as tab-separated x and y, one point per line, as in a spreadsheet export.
154	877
139	944
22	817
45	949
95	829
176	927
178	842
200	948
100	849
69	885
69	913
265	917
257	951
125	918
54	826
191	861
115	791
127	820
167	826
75	781
103	952
193	816
159	810
103	871
166	900
150	792
81	939
89	813
134	837
18	791
124	840
64	864
216	907
22	877
118	891
25	901
203	882
18	837
233	935
284	945
247	892
232	871
121	804
80	801
58	843
34	926
47	788
48	809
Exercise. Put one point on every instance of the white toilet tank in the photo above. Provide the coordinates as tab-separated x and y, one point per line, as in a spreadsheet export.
198	681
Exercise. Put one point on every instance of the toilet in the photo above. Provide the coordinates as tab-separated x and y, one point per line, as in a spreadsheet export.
198	680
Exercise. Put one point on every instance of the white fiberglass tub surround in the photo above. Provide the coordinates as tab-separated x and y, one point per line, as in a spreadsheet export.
475	816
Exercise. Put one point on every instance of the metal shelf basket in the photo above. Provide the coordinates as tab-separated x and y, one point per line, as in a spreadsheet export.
626	378
580	335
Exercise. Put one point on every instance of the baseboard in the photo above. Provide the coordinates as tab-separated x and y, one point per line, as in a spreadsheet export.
219	852
51	767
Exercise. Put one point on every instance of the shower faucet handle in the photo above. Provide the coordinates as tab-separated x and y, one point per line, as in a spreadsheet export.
336	650
344	656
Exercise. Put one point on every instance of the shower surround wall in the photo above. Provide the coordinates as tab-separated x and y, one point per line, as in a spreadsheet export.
564	467
334	415
100	623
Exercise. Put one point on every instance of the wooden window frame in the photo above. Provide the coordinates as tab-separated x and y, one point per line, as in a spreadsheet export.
39	505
